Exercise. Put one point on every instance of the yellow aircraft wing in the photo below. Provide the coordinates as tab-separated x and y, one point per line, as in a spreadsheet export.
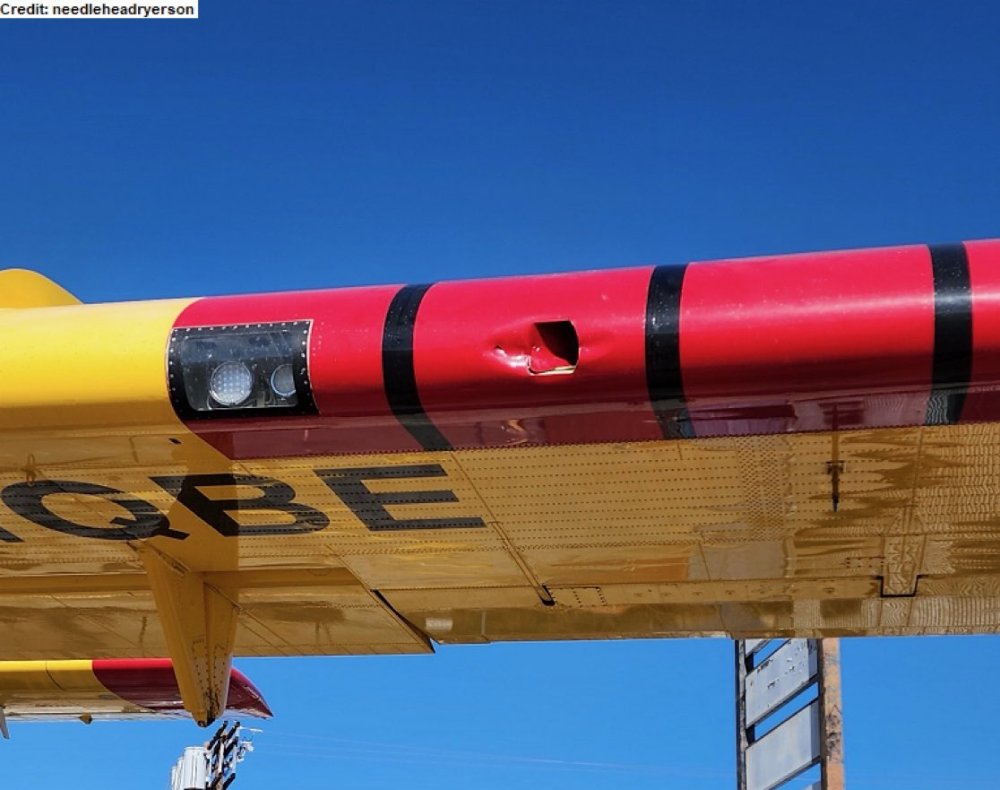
803	445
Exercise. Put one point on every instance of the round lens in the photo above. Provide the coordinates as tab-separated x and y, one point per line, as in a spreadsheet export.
283	382
231	383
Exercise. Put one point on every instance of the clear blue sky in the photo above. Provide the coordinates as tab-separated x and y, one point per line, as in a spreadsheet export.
279	145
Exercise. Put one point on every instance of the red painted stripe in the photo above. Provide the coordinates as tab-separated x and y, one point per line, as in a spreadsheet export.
982	404
485	352
150	683
779	344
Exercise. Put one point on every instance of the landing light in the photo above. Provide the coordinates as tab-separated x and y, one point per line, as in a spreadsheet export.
231	384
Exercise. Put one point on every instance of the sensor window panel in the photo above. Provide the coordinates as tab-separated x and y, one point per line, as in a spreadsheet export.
243	370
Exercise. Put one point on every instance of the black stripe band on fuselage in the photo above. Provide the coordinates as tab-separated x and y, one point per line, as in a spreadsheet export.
663	352
398	373
952	362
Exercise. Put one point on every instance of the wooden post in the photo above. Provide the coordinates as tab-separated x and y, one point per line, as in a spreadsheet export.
831	716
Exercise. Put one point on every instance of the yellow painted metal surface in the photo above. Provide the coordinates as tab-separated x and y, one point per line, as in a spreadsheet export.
24	288
730	536
66	688
49	677
198	618
81	367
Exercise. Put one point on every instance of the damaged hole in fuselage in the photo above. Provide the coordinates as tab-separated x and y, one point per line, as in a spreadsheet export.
556	348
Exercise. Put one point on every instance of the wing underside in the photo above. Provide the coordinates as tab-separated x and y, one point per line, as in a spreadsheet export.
719	536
